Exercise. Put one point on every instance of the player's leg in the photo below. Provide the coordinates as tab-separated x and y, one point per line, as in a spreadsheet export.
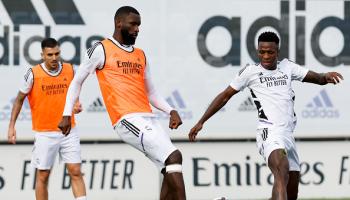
278	163
77	180
41	184
173	184
147	135
43	157
294	170
70	154
293	185
165	192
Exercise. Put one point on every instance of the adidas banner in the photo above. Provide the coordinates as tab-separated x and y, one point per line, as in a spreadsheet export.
193	56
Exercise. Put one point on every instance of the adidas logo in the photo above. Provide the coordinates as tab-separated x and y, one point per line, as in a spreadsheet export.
176	101
25	12
24	23
176	98
24	115
97	106
320	106
247	105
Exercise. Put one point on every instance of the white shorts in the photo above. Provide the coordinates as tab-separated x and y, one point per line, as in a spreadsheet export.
48	144
268	140
146	134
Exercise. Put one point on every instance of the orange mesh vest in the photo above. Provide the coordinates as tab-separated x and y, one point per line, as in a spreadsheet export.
48	97
122	81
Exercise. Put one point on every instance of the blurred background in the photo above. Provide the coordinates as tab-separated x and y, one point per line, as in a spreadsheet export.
194	49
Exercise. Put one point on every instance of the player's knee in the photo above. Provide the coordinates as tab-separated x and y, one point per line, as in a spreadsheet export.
74	171
174	158
173	163
43	175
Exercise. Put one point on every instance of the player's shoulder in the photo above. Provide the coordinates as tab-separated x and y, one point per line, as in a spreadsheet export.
29	69
64	64
249	68
70	66
138	49
28	72
287	62
97	47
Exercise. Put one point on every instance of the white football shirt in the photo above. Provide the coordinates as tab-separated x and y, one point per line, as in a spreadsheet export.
271	91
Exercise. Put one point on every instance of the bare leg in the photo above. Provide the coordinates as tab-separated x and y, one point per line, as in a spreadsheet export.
279	165
173	186
78	185
293	184
42	179
165	193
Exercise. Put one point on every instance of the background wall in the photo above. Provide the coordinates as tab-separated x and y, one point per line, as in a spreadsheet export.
194	49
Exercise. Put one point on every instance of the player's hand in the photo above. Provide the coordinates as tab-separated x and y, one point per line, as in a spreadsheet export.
175	120
194	131
11	135
77	108
65	125
333	77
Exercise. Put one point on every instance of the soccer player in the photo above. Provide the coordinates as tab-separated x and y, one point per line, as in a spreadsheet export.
124	77
46	86
270	86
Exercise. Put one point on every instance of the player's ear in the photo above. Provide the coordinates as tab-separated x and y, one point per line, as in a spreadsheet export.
118	22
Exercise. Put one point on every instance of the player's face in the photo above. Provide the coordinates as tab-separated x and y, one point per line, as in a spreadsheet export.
268	54
130	28
51	57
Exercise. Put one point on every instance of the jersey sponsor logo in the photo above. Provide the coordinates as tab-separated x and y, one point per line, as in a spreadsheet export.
24	115
272	81
129	67
97	106
320	106
176	101
247	105
54	89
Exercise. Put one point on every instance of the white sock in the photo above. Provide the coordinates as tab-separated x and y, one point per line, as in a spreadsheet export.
81	198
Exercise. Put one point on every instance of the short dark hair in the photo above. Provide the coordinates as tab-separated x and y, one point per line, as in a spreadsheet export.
269	36
49	42
125	10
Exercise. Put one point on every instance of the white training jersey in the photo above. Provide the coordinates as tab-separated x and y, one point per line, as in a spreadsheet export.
272	92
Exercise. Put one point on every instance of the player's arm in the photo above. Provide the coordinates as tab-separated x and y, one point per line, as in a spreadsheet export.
219	102
160	103
71	98
78	108
322	78
16	109
26	87
94	58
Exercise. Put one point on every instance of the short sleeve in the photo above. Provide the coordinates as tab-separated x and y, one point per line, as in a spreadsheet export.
241	79
297	72
27	82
